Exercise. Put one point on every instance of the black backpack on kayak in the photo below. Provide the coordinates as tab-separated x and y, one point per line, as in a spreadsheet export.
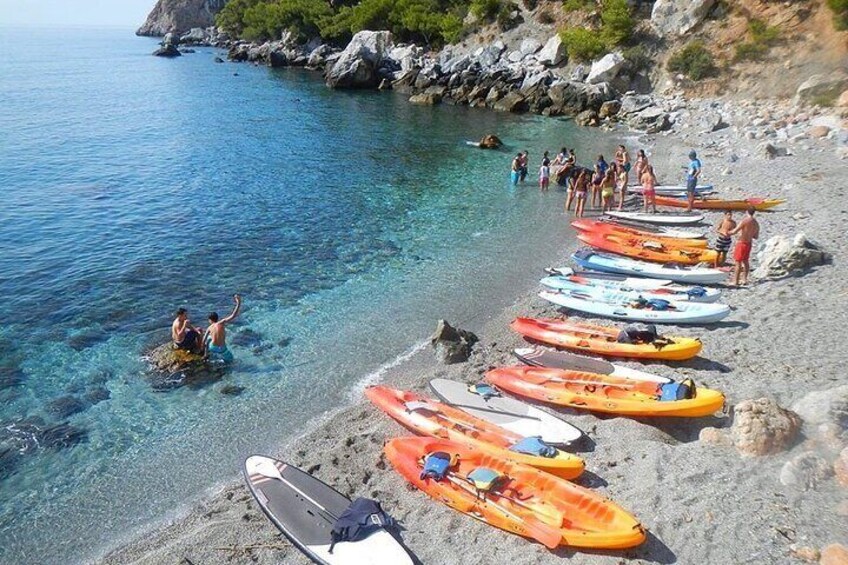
635	334
360	520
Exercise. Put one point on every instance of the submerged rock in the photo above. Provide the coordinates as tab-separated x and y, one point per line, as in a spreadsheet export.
10	377
782	257
97	395
452	345
246	338
9	460
762	427
65	406
62	435
231	390
174	368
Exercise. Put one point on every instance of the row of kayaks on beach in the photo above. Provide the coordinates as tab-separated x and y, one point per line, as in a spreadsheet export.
496	449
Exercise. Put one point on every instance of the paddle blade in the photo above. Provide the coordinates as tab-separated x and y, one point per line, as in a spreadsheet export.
268	469
549	536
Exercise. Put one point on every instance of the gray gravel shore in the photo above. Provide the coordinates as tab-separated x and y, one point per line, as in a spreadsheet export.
701	503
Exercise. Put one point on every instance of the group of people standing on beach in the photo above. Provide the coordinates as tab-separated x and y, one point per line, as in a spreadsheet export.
606	183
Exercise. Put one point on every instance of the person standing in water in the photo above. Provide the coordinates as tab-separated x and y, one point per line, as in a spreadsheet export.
649	192
692	174
215	338
748	230
545	175
724	239
523	164
516	169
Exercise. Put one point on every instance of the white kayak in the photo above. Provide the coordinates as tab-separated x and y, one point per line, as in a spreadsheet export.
306	509
541	357
659	218
684	293
508	413
632	282
621	306
590	259
664	231
668	189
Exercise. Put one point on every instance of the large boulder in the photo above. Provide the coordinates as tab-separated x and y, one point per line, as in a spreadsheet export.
823	87
195	36
452	345
169	46
357	65
652	120
529	46
180	16
762	427
426	98
676	18
512	102
805	471
553	53
632	103
490	142
782	257
606	68
587	118
490	54
609	109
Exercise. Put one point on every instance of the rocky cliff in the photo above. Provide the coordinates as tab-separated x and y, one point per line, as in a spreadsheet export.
179	16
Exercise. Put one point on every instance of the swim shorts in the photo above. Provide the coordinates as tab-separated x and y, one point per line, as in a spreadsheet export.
691	183
742	251
723	243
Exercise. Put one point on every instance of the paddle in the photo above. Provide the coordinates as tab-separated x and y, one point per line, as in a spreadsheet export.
268	469
549	536
494	411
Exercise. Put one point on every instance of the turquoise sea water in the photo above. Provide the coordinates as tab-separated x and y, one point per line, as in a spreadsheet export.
131	185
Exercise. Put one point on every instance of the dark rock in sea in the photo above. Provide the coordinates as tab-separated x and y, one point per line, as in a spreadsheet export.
490	142
101	376
174	368
9	460
231	390
219	60
452	345
187	51
168	51
61	435
180	16
246	338
87	338
284	342
97	395
65	406
10	377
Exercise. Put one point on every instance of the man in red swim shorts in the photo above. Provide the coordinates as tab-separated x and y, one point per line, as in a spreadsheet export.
748	230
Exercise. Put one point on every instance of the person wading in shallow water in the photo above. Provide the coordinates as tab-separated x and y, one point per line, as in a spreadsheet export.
184	335
748	230
215	338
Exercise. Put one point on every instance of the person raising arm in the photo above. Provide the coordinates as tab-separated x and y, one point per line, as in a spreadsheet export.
215	338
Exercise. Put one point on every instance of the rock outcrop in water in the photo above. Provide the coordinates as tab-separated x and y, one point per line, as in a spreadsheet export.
452	345
180	16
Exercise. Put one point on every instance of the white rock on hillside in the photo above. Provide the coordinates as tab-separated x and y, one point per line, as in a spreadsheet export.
823	86
357	66
606	68
782	256
553	53
678	17
530	46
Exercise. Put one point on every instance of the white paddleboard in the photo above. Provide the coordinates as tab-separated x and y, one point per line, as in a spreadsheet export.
593	260
540	357
511	414
597	287
659	218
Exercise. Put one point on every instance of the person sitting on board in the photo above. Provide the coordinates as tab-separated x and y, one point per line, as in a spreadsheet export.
215	338
724	239
649	183
748	230
184	335
692	174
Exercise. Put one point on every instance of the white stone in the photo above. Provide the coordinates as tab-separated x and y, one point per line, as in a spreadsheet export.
530	46
676	18
553	53
606	68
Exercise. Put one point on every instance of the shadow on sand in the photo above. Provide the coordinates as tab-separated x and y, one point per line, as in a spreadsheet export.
653	551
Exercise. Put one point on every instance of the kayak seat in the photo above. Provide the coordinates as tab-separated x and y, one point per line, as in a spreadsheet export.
360	520
485	390
437	465
684	390
696	291
534	446
486	480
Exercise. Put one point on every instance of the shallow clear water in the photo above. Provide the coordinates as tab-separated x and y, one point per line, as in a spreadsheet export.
350	222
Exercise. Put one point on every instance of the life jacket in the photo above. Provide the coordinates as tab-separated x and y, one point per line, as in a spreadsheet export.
534	446
487	391
437	465
696	291
669	392
359	520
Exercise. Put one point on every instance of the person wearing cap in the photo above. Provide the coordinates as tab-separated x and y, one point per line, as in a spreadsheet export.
692	174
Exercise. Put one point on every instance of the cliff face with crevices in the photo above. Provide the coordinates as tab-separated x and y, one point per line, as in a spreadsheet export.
179	16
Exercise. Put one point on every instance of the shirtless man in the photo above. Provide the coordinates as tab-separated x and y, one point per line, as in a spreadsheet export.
215	338
748	230
183	334
723	240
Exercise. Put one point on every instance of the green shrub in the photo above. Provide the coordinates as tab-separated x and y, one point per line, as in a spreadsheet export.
545	17
504	19
694	61
231	16
582	44
268	20
617	22
763	36
638	56
574	5
486	10
840	13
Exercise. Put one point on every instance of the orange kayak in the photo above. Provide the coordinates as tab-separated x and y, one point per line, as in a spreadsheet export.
720	204
602	340
647	249
605	393
514	497
596	227
435	419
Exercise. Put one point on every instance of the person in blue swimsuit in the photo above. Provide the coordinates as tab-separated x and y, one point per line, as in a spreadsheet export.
215	337
692	174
